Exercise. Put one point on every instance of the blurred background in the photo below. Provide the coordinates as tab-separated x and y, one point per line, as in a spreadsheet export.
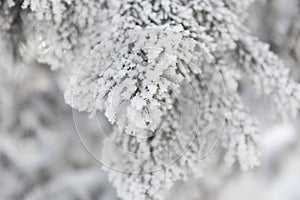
42	158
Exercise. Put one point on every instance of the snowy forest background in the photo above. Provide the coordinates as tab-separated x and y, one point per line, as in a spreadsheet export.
42	157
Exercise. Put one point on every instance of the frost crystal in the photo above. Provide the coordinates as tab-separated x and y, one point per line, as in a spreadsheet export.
152	60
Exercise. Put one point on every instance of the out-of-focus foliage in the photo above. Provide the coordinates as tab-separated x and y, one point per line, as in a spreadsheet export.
277	22
40	155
